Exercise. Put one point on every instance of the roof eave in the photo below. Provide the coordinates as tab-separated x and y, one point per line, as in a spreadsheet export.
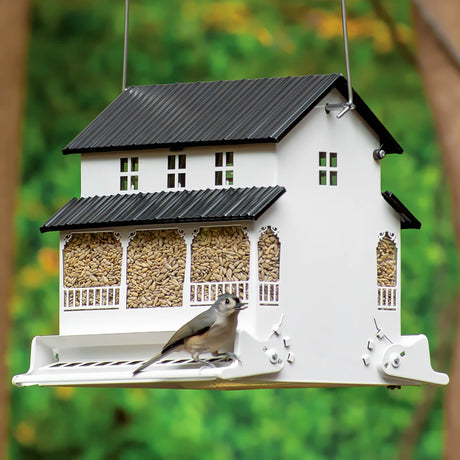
174	146
389	143
89	225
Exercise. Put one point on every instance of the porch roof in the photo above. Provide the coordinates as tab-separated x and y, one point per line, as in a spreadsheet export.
210	205
408	220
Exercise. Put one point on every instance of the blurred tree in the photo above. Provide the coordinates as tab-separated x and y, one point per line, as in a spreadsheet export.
14	28
438	38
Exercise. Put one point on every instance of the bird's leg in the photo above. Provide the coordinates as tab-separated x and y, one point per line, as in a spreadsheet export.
230	355
196	357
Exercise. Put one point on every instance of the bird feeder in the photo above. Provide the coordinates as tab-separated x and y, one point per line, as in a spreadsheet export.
252	187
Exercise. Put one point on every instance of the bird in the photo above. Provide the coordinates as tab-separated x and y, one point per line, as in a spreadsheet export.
207	332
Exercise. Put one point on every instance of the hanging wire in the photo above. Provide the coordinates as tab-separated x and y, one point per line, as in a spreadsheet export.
349	105
347	58
125	49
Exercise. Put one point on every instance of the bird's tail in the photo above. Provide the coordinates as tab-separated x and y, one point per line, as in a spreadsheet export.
156	358
148	363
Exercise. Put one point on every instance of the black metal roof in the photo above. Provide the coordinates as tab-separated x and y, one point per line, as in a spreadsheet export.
210	205
214	113
408	220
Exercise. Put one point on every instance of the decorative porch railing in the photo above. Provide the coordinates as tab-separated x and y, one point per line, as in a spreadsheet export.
269	292
207	293
386	298
92	298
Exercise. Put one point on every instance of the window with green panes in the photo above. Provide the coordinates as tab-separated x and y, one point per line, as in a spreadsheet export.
223	175
177	165
129	174
328	173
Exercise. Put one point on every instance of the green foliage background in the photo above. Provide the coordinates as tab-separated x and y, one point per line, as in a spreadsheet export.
74	71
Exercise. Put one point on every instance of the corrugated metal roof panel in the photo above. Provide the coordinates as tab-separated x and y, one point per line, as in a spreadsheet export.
213	113
164	207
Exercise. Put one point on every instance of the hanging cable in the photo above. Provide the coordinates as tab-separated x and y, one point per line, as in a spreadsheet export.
349	105
125	49
347	58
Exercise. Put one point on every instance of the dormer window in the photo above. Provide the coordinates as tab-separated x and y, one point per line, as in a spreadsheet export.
223	175
176	171
328	168
129	177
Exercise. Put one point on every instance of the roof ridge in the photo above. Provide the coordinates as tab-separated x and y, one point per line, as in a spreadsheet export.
231	80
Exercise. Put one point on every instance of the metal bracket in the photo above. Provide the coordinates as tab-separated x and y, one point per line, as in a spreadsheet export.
276	329
344	108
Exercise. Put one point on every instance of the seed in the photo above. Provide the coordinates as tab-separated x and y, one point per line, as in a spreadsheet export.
160	256
386	262
92	260
268	251
156	263
217	251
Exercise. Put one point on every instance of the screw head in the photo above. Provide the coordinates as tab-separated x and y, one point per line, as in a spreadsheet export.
379	154
395	360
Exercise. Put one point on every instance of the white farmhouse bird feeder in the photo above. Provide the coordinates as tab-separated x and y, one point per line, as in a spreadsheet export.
252	187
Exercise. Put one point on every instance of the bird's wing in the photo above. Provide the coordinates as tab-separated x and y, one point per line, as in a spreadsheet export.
196	326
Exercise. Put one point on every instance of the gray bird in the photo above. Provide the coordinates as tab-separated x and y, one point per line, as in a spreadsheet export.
208	332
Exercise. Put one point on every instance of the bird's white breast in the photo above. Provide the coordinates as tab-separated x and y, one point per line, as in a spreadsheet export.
215	338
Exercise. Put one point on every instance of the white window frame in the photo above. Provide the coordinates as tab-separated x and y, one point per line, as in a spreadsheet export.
224	169
176	175
328	169
131	175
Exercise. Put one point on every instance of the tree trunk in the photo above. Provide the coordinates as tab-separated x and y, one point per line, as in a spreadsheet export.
13	46
438	48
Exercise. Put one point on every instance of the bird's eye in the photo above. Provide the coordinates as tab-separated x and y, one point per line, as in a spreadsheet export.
227	301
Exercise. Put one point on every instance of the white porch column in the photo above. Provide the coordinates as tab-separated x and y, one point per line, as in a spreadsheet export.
253	234
63	240
188	238
124	238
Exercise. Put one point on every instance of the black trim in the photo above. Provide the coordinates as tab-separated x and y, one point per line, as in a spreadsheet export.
388	142
408	220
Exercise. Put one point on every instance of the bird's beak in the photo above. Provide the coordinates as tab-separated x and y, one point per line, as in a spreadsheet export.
240	306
